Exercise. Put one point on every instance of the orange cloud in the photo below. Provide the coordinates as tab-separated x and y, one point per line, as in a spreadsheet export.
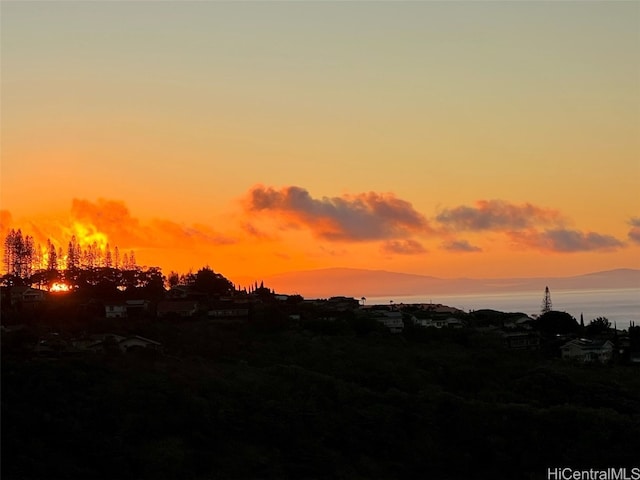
565	241
112	218
497	215
403	247
460	246
634	232
361	217
109	221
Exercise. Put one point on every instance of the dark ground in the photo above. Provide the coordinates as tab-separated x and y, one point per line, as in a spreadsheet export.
322	400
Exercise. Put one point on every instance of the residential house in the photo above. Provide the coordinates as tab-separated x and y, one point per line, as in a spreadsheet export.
521	340
229	313
136	342
181	308
24	296
587	351
450	322
137	307
115	310
110	342
390	319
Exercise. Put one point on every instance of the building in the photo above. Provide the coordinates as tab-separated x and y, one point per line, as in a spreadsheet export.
587	351
391	320
521	340
23	296
181	308
115	310
450	322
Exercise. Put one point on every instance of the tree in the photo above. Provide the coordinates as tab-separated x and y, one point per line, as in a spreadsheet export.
212	283
74	253
108	259
554	322
173	280
52	257
598	325
546	302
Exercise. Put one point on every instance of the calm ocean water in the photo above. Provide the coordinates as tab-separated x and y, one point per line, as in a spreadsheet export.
619	306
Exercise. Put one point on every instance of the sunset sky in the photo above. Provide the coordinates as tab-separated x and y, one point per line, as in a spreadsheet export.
479	139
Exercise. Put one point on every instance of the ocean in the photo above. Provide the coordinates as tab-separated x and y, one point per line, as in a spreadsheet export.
620	305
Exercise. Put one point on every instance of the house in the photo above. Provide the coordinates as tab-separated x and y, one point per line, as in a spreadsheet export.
97	342
450	322
343	303
177	292
439	308
115	310
26	296
181	308
136	342
587	351
229	312
520	323
391	320
137	307
105	342
521	340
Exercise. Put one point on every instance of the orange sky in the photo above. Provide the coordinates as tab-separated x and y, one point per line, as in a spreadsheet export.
465	139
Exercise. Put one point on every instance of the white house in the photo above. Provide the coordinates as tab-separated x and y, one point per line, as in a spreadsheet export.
585	350
450	322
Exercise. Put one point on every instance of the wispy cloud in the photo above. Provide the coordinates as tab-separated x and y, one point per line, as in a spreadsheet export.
181	234
460	246
403	247
361	217
566	241
634	232
497	215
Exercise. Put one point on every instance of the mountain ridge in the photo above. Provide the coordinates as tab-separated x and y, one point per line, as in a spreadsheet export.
356	282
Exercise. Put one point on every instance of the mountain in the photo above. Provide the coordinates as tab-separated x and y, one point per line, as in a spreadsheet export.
356	283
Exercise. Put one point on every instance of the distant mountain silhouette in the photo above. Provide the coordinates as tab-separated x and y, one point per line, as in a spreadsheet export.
375	283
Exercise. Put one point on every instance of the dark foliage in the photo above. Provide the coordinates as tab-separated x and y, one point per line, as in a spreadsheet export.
327	399
554	323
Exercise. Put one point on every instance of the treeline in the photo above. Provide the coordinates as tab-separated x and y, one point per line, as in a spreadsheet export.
23	256
27	262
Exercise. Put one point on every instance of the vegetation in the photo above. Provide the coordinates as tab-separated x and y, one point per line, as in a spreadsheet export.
337	398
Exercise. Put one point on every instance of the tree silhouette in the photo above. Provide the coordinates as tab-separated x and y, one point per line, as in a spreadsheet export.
212	283
554	322
598	325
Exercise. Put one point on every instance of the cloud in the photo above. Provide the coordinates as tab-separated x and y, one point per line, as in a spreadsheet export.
180	234
255	232
403	247
112	218
460	246
497	215
634	232
361	217
5	221
566	241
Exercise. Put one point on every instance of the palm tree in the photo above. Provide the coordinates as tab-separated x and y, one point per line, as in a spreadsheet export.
363	299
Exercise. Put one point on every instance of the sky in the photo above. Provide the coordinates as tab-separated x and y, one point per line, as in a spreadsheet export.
454	139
